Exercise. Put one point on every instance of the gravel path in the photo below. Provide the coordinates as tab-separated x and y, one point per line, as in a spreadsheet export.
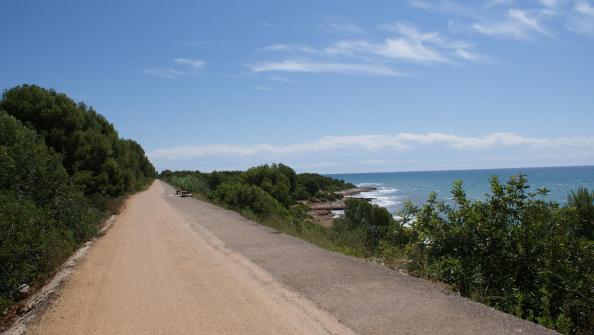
175	265
154	273
368	298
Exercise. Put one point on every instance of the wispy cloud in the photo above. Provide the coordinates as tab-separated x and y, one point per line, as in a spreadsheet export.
529	20
398	142
451	7
262	88
188	67
281	79
519	20
495	3
161	73
390	48
585	8
339	24
518	24
365	56
550	3
581	20
305	66
410	44
290	48
193	63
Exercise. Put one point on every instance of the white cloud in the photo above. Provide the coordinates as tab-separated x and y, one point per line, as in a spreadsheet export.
529	21
550	3
581	20
518	24
448	7
281	79
169	73
585	8
304	66
520	20
515	19
394	48
494	3
193	63
290	48
398	142
161	73
364	56
339	24
419	4
412	35
468	55
411	32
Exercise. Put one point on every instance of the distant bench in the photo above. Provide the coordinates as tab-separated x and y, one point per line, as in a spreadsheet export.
183	193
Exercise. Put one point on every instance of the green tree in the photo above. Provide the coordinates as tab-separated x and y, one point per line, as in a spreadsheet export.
92	153
43	216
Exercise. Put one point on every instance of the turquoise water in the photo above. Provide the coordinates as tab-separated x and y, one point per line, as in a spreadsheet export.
393	188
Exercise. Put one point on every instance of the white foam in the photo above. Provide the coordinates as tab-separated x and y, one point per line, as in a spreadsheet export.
378	193
386	197
337	213
368	184
384	201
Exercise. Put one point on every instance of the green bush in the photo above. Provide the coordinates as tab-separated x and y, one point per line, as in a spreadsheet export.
248	198
278	180
93	154
514	251
373	220
194	183
43	217
62	168
310	184
31	244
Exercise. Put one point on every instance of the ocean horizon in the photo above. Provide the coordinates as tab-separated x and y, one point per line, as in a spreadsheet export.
394	188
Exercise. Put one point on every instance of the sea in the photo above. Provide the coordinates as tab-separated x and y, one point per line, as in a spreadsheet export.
394	188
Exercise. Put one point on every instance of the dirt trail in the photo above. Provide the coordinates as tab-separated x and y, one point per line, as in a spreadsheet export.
155	273
175	265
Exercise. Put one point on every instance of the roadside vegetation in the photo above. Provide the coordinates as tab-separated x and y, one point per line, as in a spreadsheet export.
513	250
63	169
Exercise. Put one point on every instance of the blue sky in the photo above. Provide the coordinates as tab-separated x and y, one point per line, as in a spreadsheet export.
325	86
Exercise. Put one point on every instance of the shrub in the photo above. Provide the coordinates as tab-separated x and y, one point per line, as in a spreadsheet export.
514	251
62	167
43	217
244	197
93	154
310	184
371	220
278	180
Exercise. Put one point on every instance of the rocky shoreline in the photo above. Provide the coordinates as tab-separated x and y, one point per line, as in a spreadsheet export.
355	191
322	211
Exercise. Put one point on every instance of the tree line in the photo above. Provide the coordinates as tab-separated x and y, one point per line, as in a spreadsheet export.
63	168
512	250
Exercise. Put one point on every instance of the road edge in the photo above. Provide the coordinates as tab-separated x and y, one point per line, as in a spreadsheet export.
39	302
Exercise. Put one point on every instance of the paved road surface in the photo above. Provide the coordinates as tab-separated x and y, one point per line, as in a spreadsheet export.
175	265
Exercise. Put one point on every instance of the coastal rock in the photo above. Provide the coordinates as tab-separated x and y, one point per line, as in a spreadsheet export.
354	191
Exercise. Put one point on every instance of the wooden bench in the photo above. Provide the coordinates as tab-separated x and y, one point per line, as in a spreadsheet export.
185	194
